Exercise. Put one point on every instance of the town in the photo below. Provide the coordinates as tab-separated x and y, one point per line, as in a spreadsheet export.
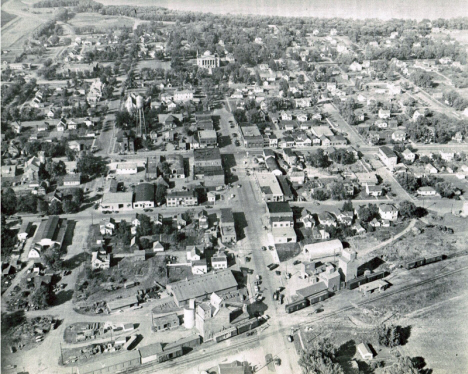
196	193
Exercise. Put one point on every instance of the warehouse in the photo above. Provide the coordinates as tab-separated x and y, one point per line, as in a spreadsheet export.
120	304
112	364
165	322
323	249
221	282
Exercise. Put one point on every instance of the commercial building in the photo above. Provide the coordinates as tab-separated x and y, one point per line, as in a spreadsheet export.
117	201
388	157
155	352
219	261
152	168
182	198
51	232
207	157
252	137
221	282
126	168
208	167
317	291
227	226
207	138
119	304
144	196
270	187
183	95
176	167
165	322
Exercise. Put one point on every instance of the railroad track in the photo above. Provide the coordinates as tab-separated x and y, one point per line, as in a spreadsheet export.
246	342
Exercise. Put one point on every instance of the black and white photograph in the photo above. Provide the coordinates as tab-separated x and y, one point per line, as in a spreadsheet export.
234	187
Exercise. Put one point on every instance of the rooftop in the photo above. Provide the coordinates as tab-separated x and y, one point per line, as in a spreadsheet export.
117	198
312	290
250	131
203	285
47	228
206	154
279	207
144	192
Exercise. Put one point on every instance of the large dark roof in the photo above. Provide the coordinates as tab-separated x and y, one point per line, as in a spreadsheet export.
227	216
205	154
144	192
279	207
47	229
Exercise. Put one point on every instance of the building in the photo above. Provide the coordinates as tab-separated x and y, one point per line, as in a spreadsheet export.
144	196
120	304
388	157
365	351
348	264
219	261
208	61
112	364
207	157
152	168
207	138
284	184
24	231
72	179
175	168
99	261
182	198
199	267
165	322
281	222
323	249
331	278
317	291
251	137
51	232
117	201
126	168
270	187
221	282
388	212
408	155
427	191
227	226
235	367
208	166
183	95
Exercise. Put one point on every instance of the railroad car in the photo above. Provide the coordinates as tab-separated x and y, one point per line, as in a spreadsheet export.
295	306
375	276
430	260
415	263
356	282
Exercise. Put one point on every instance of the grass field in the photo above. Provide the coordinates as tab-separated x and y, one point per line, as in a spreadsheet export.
6	17
100	22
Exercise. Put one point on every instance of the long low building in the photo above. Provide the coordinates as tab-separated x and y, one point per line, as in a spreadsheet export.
202	286
117	201
113	364
323	249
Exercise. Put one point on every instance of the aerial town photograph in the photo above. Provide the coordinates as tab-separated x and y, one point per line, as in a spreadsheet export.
234	187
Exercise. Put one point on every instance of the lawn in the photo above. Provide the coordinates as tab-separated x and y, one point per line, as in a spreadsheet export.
100	22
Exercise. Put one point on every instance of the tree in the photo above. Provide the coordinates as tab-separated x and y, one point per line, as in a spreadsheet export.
320	194
41	298
146	227
320	359
124	233
28	204
318	159
407	209
91	166
368	213
160	193
389	335
51	258
8	201
55	208
403	365
337	191
347	206
408	181
69	206
42	206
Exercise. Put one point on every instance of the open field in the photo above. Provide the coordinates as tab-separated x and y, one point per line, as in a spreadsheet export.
6	17
100	22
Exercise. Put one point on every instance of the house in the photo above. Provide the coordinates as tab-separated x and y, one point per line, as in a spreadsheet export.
375	223
399	136
447	156
326	219
431	169
408	155
108	226
374	191
99	261
355	66
384	114
158	247
72	179
126	168
427	191
194	253
388	212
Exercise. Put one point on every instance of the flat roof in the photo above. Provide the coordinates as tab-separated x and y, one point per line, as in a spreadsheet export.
126	165
207	134
117	198
203	285
387	151
150	350
279	207
144	192
111	361
227	216
250	131
121	303
206	154
270	181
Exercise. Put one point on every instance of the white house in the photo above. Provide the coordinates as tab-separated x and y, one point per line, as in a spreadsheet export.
388	212
126	168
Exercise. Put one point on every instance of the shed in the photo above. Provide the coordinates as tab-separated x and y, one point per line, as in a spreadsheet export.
365	351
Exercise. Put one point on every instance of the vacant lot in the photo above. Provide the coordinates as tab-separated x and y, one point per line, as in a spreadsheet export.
6	17
100	22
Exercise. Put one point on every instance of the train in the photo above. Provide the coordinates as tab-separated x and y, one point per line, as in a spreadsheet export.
304	303
424	261
363	279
